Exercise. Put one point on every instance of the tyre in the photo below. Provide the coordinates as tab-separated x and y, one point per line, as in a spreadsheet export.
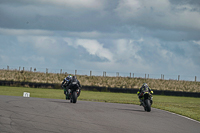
148	105
74	97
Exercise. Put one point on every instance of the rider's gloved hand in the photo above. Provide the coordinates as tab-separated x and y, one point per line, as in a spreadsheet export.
151	92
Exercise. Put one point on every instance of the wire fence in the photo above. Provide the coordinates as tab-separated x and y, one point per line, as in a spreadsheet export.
104	73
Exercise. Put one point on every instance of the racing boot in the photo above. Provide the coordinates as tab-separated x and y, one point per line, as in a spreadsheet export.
67	95
141	102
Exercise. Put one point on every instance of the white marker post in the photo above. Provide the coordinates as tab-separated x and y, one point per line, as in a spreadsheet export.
26	94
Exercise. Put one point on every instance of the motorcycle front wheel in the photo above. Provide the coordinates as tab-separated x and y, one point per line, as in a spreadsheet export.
74	97
148	105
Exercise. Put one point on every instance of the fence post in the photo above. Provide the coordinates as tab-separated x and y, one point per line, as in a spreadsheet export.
130	75
60	71
31	69
46	70
23	68
148	76
163	76
19	68
195	78
145	75
117	74
34	69
104	74
133	75
90	73
7	67
75	72
178	77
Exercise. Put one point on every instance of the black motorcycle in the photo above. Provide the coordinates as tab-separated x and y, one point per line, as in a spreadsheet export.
147	100
74	92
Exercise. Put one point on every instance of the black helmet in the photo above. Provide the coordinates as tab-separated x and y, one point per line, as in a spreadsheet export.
74	79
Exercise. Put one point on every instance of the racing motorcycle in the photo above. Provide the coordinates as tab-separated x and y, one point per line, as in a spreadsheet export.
74	92
147	100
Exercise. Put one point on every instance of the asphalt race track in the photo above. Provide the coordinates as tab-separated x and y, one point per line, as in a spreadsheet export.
37	115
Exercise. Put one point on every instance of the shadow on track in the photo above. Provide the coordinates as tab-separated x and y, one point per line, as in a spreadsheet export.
61	102
132	110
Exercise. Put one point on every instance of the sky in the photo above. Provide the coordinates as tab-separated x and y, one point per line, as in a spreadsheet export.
127	36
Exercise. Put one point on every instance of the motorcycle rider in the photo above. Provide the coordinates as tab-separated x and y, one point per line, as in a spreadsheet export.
143	88
64	85
70	84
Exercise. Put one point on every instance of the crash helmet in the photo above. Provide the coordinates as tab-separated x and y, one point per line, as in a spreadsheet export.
67	78
70	76
74	79
145	84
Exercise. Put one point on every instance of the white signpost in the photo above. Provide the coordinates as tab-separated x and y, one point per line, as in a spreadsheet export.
26	94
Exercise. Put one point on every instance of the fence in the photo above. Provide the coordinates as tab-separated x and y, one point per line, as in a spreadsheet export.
104	73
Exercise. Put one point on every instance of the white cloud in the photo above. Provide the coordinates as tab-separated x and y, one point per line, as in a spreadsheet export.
92	34
19	32
75	4
197	42
43	44
126	49
127	8
95	48
158	14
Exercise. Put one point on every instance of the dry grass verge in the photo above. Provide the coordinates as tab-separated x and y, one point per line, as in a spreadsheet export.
117	82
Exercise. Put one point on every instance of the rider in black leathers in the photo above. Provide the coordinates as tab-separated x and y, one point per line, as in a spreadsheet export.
64	85
143	88
74	80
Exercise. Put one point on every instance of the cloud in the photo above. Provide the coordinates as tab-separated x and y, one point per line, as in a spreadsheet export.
75	4
44	45
158	15
18	32
115	35
93	47
127	50
94	34
197	42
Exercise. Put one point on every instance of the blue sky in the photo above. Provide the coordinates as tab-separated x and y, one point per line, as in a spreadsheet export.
138	36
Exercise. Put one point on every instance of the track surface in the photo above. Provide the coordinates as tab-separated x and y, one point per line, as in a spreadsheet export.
37	115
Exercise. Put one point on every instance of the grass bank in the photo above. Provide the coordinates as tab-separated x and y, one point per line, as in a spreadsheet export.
186	106
115	82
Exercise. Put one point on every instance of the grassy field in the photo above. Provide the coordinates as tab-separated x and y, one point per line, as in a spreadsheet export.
117	82
186	106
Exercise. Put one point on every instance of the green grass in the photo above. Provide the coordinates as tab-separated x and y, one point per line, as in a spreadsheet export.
186	106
